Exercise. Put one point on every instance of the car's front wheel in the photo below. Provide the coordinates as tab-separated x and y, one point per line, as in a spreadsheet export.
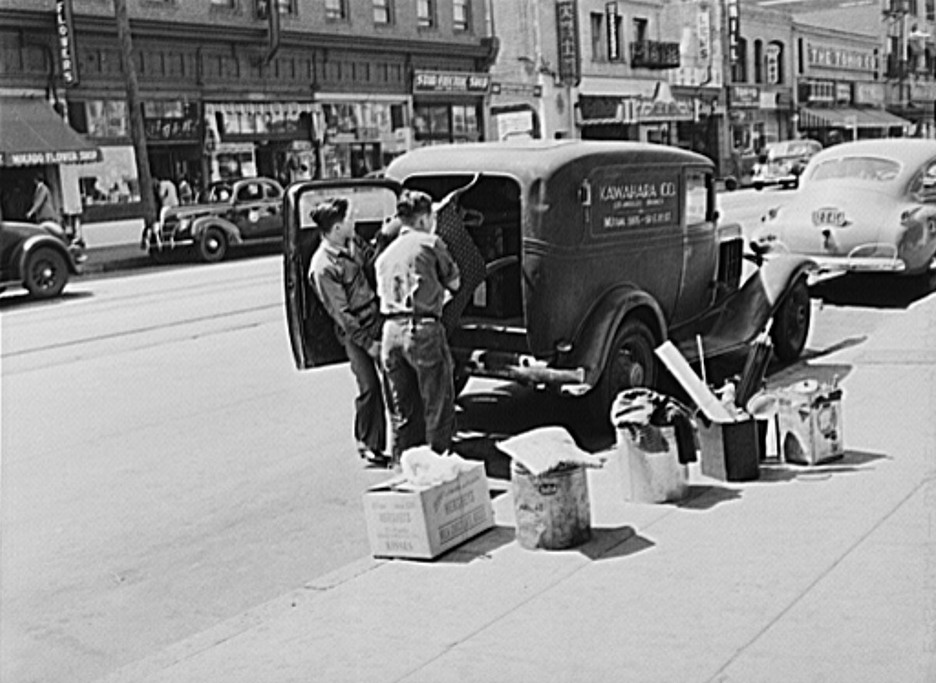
46	273
212	245
631	363
791	323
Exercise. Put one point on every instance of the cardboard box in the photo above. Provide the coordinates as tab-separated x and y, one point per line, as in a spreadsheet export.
810	424
730	451
424	521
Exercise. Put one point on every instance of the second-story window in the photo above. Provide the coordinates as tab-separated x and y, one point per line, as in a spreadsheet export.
461	15
597	36
383	12
425	13
640	30
336	10
758	61
930	10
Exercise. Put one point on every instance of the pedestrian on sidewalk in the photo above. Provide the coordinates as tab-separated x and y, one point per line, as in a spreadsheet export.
338	274
414	275
43	206
168	197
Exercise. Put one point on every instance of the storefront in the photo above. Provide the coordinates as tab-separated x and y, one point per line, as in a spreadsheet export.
173	139
360	134
37	142
448	106
646	111
259	138
838	96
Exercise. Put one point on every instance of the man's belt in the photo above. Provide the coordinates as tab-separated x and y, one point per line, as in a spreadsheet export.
416	317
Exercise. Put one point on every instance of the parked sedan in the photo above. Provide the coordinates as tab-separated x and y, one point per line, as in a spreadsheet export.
783	163
37	257
227	212
868	205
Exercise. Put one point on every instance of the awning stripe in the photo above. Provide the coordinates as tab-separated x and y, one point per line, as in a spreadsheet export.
32	134
846	118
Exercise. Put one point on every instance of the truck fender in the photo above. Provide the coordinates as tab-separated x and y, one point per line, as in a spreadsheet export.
780	273
592	344
201	224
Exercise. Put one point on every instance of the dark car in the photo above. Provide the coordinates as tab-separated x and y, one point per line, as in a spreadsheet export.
783	163
227	213
37	257
594	253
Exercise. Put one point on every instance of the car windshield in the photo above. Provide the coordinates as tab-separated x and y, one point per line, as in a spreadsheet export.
858	168
216	192
790	149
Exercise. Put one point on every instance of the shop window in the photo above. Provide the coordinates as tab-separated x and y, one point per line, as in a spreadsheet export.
336	10
99	118
383	12
112	180
461	15
425	13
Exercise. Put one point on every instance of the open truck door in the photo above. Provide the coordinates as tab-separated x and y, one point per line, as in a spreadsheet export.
311	329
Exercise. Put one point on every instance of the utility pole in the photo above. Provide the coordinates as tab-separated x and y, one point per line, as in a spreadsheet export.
135	112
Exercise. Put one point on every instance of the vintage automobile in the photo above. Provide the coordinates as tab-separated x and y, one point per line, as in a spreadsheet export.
783	162
593	254
37	257
868	205
226	213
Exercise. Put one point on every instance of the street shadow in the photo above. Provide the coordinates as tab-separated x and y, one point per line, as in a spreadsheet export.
23	299
775	470
480	547
875	290
705	497
610	544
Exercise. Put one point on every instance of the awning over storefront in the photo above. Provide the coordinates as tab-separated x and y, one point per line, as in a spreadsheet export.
32	134
850	118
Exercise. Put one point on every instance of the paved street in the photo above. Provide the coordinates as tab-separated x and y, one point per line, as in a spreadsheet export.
166	470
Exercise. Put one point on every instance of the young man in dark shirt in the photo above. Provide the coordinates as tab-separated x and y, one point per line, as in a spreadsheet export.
338	273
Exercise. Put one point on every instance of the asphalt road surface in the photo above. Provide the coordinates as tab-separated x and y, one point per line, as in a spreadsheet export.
165	467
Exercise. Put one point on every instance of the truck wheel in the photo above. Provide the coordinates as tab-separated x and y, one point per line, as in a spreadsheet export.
791	323
631	363
46	273
212	245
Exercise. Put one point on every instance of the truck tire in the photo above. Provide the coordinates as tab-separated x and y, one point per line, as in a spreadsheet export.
631	363
212	245
791	323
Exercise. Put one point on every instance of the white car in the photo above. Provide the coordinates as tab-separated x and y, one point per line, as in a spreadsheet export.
868	205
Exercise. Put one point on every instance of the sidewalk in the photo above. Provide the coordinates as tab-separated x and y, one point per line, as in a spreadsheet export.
114	258
809	574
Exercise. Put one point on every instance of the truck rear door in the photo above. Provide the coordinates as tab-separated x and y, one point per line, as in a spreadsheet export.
311	329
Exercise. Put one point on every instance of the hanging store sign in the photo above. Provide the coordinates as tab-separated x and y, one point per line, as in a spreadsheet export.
570	68
451	81
734	31
745	96
612	22
819	56
65	42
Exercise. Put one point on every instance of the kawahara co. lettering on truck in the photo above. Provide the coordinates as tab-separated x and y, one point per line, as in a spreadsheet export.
593	254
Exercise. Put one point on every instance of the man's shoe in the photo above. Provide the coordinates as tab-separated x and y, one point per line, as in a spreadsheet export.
374	459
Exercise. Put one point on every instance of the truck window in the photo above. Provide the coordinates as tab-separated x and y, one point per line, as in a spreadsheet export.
697	197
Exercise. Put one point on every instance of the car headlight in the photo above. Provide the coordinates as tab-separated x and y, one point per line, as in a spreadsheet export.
184	224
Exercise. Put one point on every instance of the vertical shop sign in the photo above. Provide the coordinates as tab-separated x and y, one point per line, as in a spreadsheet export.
734	31
65	37
704	31
567	28
614	44
773	64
